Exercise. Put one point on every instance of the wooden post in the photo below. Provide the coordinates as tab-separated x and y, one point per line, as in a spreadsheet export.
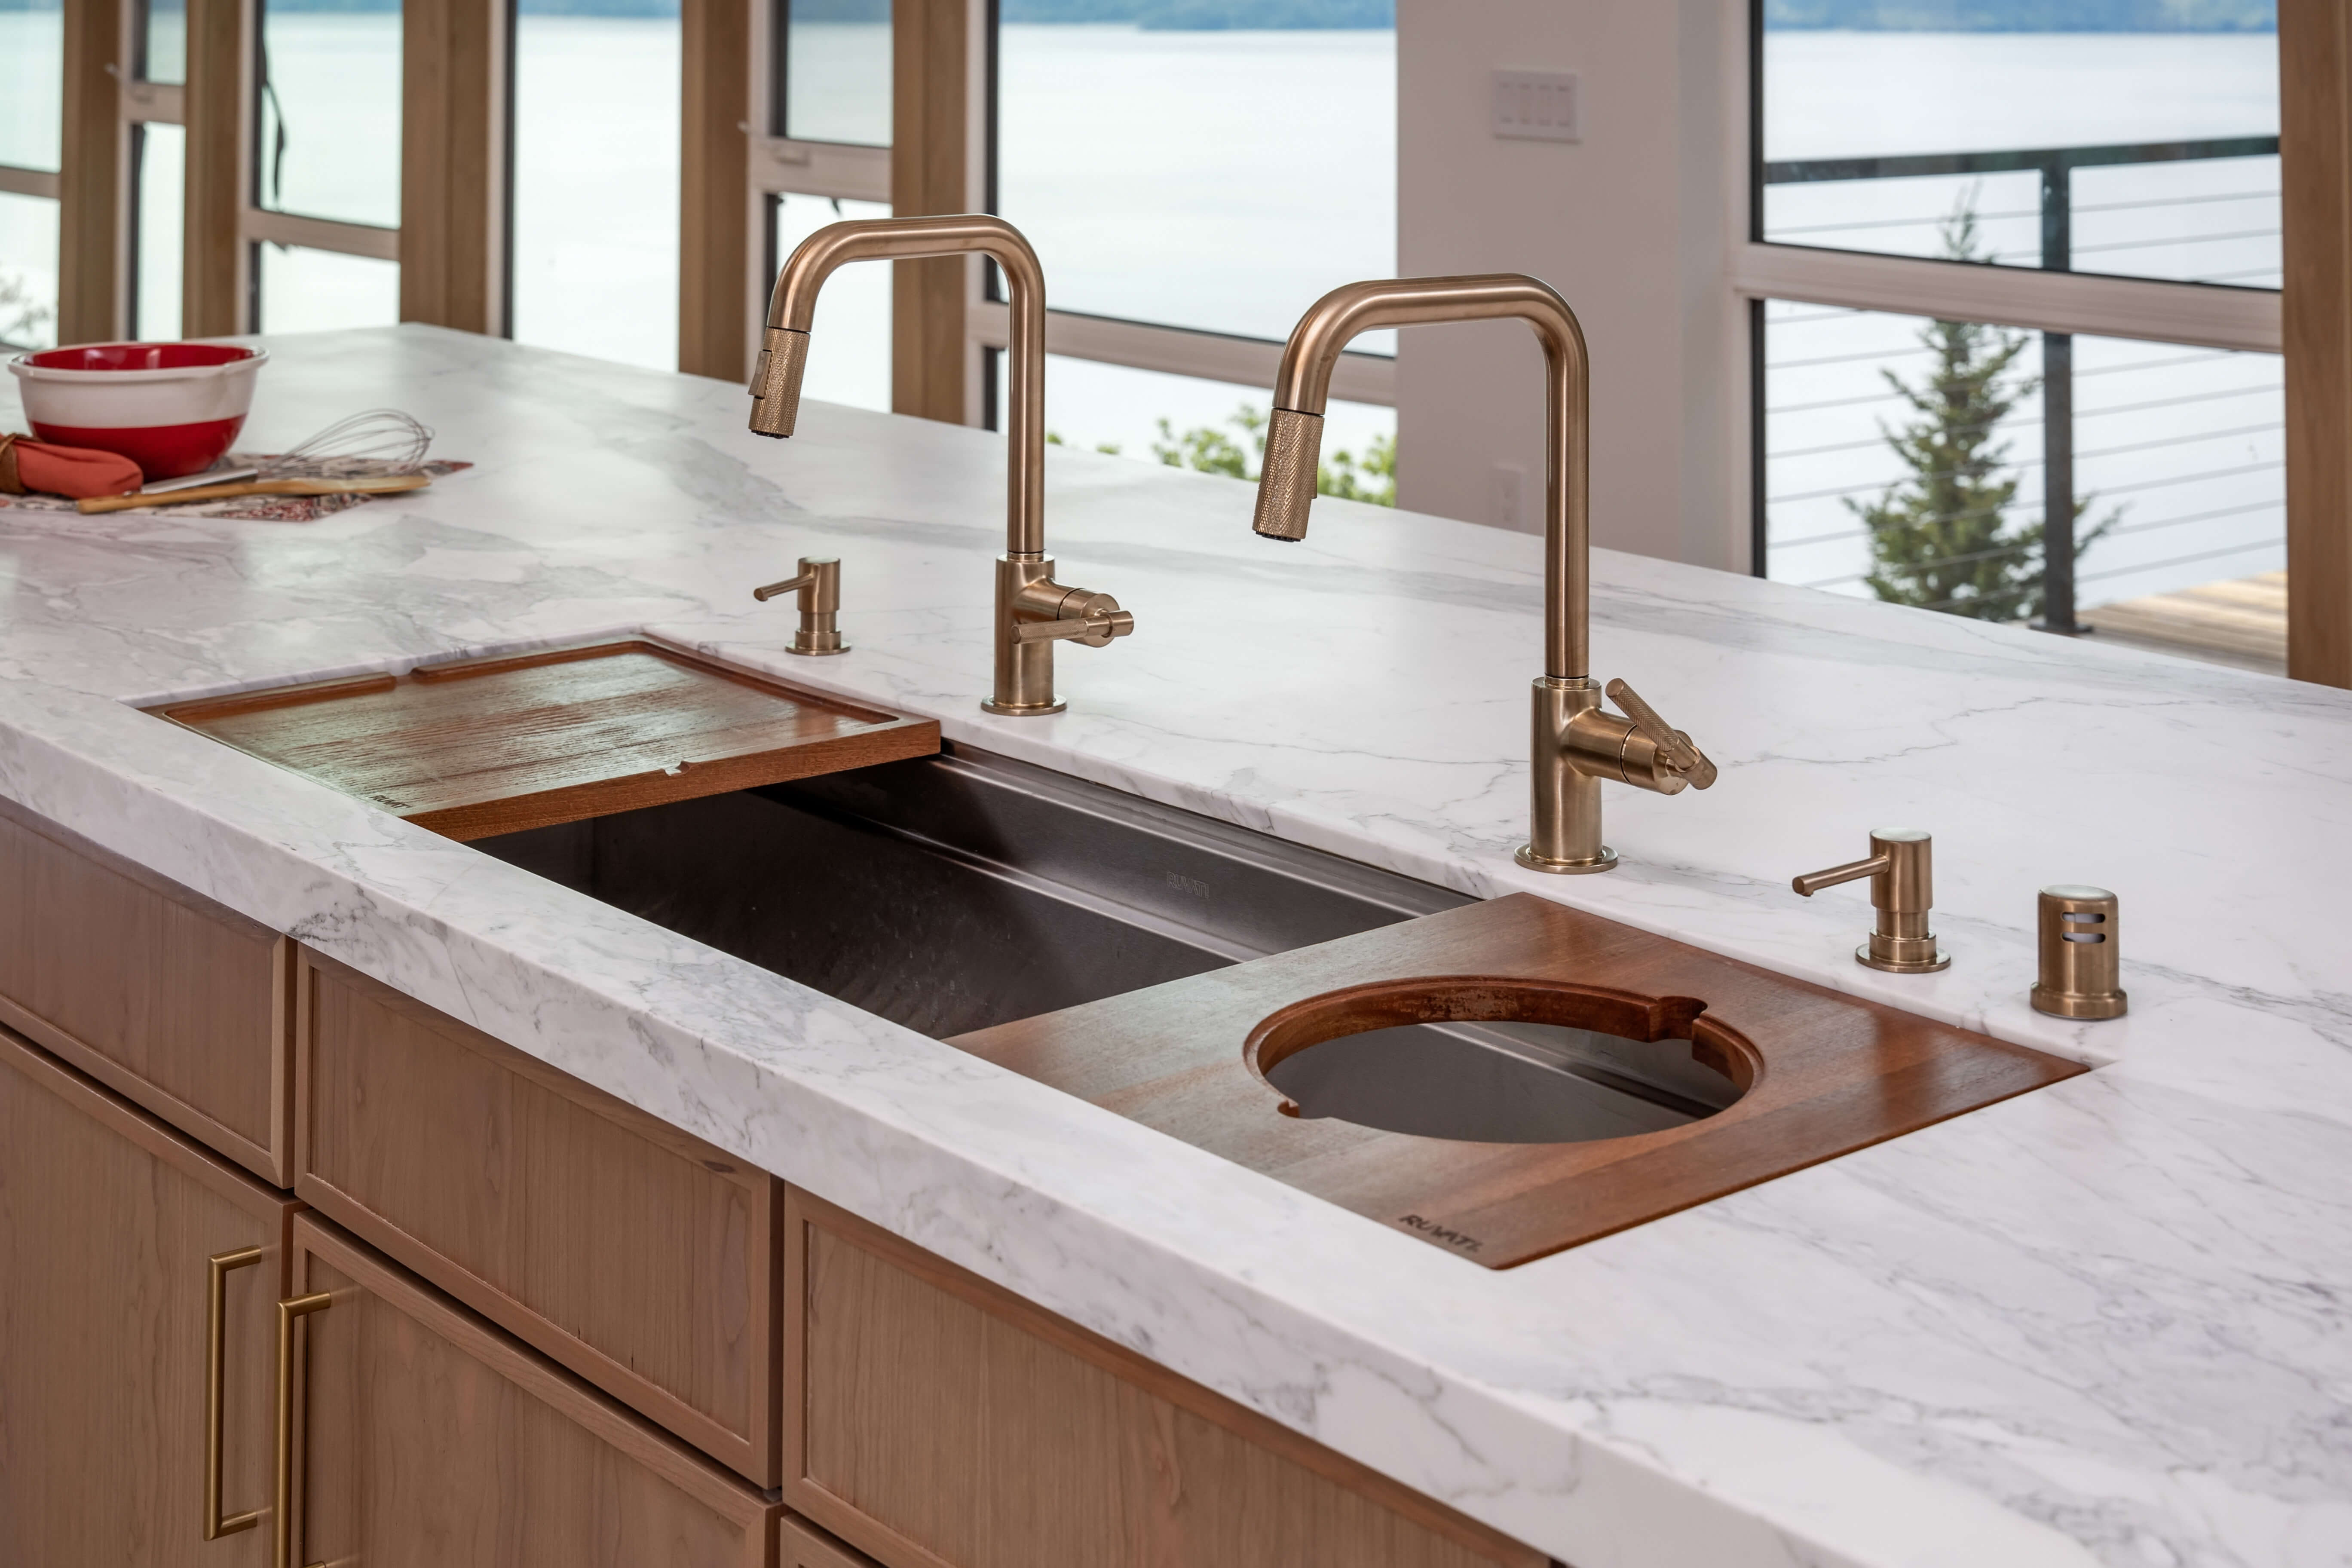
930	173
94	176
452	164
714	166
2316	159
217	262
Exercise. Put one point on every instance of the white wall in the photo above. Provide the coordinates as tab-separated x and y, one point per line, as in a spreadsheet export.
1634	226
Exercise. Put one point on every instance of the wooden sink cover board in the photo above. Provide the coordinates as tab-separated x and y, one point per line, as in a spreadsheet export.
1824	1074
474	747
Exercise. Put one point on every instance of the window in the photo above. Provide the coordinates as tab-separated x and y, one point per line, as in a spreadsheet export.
1096	405
1184	172
325	218
306	290
32	86
32	79
28	270
162	41
160	171
833	71
828	106
2173	455
2146	154
330	134
849	344
2005	463
596	193
1212	178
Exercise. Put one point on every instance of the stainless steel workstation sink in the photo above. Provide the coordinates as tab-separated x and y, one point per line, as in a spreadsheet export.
956	893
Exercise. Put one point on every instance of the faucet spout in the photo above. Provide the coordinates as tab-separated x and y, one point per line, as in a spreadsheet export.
792	311
1026	593
1302	390
1576	743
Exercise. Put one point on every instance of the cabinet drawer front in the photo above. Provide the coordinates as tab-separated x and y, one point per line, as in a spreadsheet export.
937	1421
428	1440
642	1259
165	997
108	1221
803	1545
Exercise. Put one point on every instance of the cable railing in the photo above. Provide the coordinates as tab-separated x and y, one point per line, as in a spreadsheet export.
2056	210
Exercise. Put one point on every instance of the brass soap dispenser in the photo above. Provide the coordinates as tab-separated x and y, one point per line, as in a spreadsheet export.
1901	870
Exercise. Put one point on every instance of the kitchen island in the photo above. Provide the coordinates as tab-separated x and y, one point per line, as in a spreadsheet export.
2102	1322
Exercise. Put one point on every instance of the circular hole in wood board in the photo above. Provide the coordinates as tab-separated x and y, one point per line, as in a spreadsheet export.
1501	1061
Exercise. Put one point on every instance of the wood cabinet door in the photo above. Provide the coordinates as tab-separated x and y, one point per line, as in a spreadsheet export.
935	1420
641	1257
108	1221
428	1440
173	1002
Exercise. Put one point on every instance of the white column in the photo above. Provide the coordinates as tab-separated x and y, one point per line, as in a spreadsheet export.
1635	224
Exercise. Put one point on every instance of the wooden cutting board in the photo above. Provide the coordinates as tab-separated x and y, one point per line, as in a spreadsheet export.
1824	1074
475	747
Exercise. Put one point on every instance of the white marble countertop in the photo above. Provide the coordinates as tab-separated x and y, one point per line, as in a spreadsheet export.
2107	1322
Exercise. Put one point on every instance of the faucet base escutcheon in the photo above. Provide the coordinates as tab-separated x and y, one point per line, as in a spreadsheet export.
1605	861
1869	959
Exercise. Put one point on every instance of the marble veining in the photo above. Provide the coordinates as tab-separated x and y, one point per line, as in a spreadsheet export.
2104	1323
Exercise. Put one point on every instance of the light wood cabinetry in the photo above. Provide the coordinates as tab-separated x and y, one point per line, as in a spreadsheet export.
107	1223
170	1000
936	1421
427	1438
643	1259
644	1332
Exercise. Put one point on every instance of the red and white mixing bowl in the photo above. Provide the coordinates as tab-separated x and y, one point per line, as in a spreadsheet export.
171	408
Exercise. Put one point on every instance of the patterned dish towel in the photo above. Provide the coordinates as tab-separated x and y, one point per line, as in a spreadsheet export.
264	509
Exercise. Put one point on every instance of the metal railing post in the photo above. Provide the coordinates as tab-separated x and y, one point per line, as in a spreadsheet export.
2058	484
2058	412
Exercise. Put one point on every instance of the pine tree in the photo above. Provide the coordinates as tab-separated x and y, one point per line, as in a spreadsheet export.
1940	537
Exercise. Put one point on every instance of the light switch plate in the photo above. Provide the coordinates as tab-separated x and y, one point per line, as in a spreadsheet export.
1538	106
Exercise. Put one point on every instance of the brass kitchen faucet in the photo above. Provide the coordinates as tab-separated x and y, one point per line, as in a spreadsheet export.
1033	611
1576	743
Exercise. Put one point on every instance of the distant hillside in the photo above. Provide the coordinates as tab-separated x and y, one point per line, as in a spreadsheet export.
2027	16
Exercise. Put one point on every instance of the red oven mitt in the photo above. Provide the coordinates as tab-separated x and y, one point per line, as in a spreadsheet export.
69	471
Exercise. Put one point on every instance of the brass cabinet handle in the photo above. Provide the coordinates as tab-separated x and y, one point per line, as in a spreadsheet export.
287	1312
222	1264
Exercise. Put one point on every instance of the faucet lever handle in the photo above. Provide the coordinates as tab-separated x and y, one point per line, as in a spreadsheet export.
1676	746
1094	630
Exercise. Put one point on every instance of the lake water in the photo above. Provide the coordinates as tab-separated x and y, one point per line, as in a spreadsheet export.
1223	180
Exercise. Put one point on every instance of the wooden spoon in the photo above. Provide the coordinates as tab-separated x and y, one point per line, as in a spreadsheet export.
379	485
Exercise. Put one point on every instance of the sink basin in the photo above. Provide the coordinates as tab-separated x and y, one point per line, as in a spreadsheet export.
1367	1056
961	891
1499	1079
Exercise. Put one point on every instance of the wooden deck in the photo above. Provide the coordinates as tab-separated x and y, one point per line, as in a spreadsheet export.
2240	623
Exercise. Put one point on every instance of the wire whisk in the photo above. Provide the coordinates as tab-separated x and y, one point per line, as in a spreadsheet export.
373	436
